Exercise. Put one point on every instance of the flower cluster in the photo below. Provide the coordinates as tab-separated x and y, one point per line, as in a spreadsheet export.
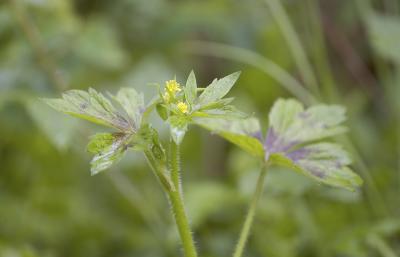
183	107
171	96
172	87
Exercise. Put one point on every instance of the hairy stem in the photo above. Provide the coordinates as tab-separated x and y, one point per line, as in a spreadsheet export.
160	172
178	207
175	167
182	223
173	191
250	214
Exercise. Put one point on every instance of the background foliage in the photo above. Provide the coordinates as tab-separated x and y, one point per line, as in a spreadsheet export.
51	206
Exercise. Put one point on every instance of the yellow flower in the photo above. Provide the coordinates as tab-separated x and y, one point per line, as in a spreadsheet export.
182	107
172	86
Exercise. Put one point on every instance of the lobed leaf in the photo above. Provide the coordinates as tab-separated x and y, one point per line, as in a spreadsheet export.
290	124
245	133
108	149
218	89
291	141
99	141
91	106
323	162
283	113
133	104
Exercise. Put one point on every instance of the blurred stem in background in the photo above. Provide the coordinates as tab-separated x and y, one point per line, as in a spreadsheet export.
121	183
244	234
254	59
373	194
295	46
287	81
34	39
386	75
398	134
300	56
380	245
365	11
319	51
175	195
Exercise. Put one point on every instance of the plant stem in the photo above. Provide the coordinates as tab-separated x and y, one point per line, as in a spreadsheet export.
174	193
182	223
251	213
178	207
175	167
159	172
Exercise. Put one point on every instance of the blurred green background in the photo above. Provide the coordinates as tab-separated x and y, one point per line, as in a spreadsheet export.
344	52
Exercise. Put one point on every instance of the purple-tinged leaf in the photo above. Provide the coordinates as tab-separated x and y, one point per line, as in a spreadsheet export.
291	141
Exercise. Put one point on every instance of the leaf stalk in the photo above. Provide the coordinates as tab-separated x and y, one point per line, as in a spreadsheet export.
244	235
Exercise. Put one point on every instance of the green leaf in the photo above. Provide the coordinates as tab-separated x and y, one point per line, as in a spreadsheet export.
178	127
249	144
245	133
290	121
99	141
226	113
218	89
217	104
133	104
91	106
283	113
162	111
291	141
323	162
108	149
191	89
